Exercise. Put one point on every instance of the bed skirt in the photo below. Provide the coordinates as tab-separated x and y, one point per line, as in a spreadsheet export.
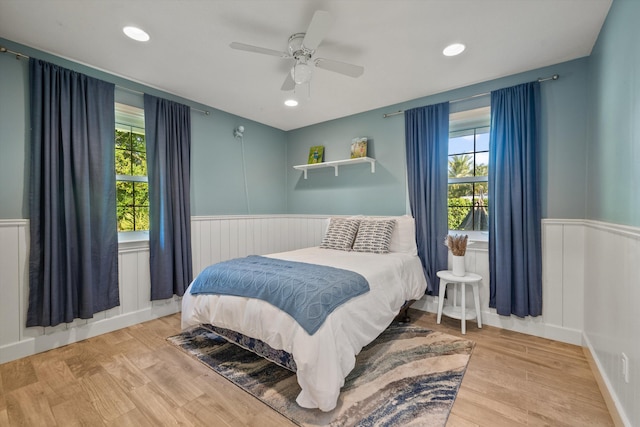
279	357
254	345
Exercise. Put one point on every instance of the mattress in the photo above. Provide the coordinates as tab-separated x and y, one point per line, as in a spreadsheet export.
325	358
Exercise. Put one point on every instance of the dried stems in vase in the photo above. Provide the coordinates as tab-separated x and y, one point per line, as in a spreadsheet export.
457	244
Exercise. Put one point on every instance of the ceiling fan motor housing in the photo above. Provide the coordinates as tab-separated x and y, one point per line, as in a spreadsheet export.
301	72
297	49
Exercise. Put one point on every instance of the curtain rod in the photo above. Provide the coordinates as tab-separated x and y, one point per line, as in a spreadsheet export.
17	54
205	112
554	77
21	55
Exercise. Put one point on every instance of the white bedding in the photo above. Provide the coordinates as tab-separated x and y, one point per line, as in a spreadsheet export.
325	358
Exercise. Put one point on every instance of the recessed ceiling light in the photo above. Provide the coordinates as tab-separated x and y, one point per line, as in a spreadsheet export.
453	49
136	34
290	102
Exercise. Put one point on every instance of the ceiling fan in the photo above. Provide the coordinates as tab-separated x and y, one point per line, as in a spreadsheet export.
301	48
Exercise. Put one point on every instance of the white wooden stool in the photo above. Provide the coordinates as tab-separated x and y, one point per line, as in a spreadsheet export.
454	310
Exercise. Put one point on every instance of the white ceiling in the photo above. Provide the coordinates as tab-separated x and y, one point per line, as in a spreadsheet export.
399	42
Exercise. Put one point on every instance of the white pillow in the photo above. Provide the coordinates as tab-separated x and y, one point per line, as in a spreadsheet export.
403	238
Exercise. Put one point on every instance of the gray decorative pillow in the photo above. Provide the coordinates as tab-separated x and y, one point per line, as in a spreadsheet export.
340	234
374	236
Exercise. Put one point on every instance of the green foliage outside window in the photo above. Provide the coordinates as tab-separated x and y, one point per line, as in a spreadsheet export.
458	210
132	190
467	202
131	153
461	217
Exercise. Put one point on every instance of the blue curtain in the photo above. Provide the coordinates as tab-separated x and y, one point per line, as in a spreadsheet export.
427	142
168	135
515	254
73	259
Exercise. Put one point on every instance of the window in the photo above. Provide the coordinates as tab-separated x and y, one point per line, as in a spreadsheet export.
132	192
468	188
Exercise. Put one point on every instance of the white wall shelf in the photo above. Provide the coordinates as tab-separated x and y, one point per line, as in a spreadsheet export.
334	164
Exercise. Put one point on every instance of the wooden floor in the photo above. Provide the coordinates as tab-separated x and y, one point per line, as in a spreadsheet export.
133	377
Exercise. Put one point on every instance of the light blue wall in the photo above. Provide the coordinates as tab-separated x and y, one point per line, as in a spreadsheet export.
275	187
614	149
217	175
218	185
13	128
357	191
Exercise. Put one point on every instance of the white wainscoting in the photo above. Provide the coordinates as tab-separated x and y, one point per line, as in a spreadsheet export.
219	238
214	239
612	306
562	286
16	340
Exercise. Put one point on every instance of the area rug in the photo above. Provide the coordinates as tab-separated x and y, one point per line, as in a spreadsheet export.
408	376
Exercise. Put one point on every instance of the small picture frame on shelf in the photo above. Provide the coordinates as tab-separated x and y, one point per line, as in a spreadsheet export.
358	147
316	154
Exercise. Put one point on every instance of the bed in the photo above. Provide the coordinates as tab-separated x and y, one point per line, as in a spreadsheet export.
324	358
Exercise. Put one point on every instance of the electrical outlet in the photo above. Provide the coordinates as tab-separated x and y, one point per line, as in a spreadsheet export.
625	368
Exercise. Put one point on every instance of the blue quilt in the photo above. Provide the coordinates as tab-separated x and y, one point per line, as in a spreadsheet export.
307	292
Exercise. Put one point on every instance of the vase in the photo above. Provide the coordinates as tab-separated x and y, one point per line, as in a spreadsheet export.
457	265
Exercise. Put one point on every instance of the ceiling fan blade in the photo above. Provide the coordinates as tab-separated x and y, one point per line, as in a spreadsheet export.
339	67
288	84
318	28
256	49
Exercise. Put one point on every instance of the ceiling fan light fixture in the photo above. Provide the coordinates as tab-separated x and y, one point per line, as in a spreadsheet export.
301	73
301	49
136	34
291	103
454	49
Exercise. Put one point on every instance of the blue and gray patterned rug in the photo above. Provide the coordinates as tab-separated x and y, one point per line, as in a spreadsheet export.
407	376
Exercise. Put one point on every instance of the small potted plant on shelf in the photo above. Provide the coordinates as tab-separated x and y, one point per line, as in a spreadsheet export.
457	244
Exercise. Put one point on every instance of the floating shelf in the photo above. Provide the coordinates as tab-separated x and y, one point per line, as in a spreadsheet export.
334	164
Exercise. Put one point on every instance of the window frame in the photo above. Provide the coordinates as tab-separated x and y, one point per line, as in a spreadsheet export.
469	120
131	117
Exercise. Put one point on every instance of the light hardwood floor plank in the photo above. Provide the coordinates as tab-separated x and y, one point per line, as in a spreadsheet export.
107	395
17	374
503	410
133	418
156	407
29	406
173	375
126	372
76	413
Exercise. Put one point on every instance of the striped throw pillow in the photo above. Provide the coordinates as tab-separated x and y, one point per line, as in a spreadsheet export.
374	236
340	234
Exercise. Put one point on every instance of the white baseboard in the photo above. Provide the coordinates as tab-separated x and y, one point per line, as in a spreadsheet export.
606	387
34	345
530	325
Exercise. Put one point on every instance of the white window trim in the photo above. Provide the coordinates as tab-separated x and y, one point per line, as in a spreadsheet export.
130	116
468	179
132	178
133	236
474	236
465	120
